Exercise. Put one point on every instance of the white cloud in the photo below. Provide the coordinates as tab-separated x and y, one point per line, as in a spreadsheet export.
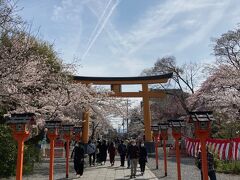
156	22
130	64
205	27
67	10
194	18
93	70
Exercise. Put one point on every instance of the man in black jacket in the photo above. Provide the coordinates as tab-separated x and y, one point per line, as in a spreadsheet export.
142	157
122	150
134	155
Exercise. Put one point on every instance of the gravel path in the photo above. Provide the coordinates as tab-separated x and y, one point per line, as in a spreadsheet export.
188	170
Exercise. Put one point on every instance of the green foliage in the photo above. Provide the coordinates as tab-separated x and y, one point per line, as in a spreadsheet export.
2	112
31	155
228	167
226	130
39	48
42	48
8	152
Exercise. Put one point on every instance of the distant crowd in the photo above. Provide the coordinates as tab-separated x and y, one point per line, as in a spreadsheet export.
129	150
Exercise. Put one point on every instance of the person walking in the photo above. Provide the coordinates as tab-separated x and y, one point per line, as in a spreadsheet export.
103	152
142	157
210	162
127	156
99	144
134	155
122	150
91	151
112	153
78	154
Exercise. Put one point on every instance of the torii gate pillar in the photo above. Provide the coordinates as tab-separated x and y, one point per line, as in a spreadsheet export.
85	127
146	113
147	119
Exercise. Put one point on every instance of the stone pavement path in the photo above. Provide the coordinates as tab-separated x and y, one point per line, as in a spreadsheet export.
101	172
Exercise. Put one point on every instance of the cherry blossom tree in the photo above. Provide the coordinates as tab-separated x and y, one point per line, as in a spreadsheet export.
221	91
166	108
136	124
34	79
9	19
185	77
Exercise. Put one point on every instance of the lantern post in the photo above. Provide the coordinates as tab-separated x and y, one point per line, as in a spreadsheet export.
176	125
155	130
164	134
202	124
53	128
19	124
67	134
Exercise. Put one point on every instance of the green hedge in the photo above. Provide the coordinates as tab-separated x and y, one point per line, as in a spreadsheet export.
8	152
228	167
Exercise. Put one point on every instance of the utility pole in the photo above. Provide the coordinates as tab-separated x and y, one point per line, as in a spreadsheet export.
119	128
127	116
123	124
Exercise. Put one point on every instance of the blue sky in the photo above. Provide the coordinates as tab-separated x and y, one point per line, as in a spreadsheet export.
123	37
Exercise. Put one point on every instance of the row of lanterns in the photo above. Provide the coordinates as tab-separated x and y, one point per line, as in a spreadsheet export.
20	123
202	125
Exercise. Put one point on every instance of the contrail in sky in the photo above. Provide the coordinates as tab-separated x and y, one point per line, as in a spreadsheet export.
103	21
99	22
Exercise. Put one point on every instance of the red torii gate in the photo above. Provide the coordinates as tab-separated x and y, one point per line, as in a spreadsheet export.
116	86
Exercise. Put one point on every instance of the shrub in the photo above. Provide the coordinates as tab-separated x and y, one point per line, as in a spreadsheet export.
228	167
8	152
31	155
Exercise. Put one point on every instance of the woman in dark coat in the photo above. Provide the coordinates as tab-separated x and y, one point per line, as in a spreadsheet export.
78	154
103	151
112	153
142	157
98	148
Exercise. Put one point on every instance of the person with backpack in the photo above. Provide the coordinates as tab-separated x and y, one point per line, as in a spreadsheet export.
122	150
91	151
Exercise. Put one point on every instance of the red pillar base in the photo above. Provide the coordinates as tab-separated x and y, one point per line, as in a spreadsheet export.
177	136
20	137
52	138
